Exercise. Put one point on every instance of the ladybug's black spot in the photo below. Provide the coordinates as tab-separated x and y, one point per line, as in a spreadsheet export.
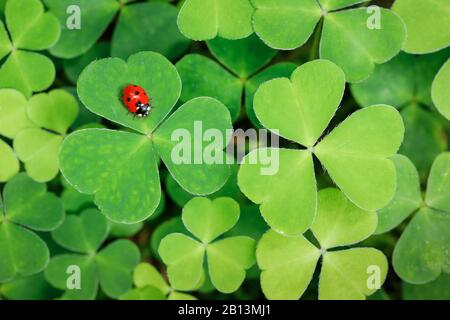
128	99
136	93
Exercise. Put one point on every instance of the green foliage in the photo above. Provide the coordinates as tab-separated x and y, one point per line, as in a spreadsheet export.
439	91
108	153
288	263
369	183
227	259
26	206
110	266
30	29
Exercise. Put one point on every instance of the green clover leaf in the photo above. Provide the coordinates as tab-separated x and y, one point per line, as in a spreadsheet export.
150	285
26	206
420	254
439	90
243	60
227	259
9	165
405	83
117	166
286	25
435	290
110	266
30	29
206	19
355	154
13	113
430	34
33	287
288	263
38	147
135	25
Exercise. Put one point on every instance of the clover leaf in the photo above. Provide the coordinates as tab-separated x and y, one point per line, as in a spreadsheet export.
13	113
38	147
135	25
227	259
121	168
9	165
26	206
439	90
243	60
33	287
30	29
288	263
435	290
430	34
207	19
110	266
405	83
355	154
150	285
286	25
421	254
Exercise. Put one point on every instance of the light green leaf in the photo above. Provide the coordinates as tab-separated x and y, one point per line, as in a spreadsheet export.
287	265
356	155
285	24
244	57
338	4
205	19
427	24
95	18
227	261
178	296
438	189
348	31
184	258
204	171
143	21
146	293
208	219
146	275
13	114
84	233
115	263
407	196
56	110
346	275
105	157
306	109
421	252
203	77
38	149
9	165
440	92
339	222
435	290
289	206
149	70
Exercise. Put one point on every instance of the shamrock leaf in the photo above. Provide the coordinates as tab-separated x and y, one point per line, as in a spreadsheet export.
287	25
439	90
420	254
135	25
288	263
435	290
150	285
99	161
355	154
30	29
202	76
405	83
26	206
227	258
111	266
33	287
38	147
13	113
431	33
9	165
206	19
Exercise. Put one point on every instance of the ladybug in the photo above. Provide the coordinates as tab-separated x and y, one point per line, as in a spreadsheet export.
136	100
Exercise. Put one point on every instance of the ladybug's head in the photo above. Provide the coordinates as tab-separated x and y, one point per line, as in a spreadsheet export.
142	109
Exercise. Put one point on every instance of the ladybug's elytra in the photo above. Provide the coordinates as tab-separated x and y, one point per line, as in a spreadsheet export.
136	100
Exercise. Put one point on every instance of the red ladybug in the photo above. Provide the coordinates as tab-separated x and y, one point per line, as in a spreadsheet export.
136	100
